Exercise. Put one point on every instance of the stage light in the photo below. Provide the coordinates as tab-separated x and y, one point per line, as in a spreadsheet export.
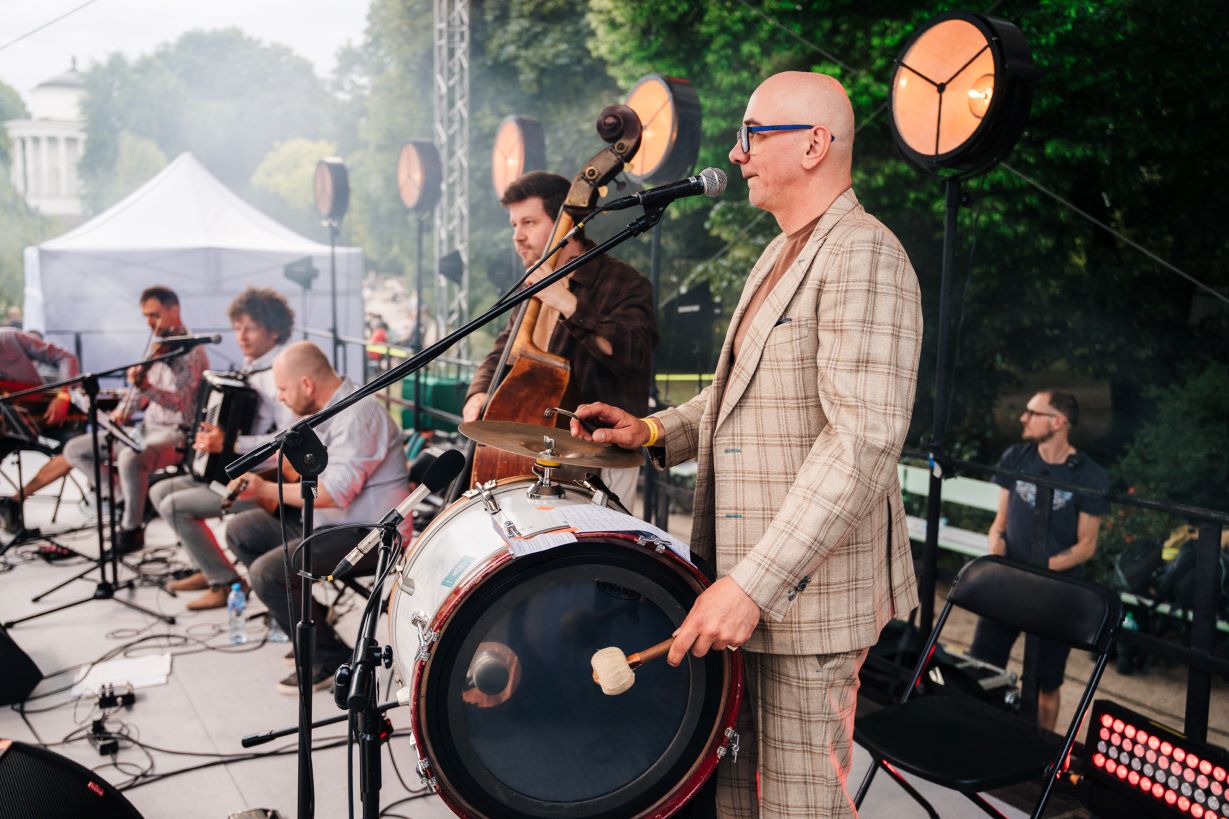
669	112
520	147
332	189
961	93
1180	781
419	175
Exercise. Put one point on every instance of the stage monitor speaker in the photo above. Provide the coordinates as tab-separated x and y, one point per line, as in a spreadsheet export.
37	782
20	674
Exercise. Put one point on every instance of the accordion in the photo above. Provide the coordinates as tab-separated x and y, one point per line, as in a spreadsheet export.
224	400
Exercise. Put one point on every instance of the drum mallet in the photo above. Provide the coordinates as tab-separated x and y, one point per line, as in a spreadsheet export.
613	671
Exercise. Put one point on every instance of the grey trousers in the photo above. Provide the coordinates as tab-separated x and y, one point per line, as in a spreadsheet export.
161	450
255	538
185	504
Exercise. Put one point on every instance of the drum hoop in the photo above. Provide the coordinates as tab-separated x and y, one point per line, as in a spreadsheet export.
714	747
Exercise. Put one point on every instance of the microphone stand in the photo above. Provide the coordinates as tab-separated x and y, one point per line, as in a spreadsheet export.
360	698
252	740
297	439
106	587
308	455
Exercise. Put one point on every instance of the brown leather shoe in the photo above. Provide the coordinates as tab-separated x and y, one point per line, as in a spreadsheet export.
193	582
212	599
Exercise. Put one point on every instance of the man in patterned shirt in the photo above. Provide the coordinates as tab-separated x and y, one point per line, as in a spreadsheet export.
167	391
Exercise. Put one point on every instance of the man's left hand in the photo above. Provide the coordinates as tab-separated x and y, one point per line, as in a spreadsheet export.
138	377
723	617
558	295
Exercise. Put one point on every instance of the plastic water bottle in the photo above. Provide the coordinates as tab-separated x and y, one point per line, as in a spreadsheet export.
276	635
236	603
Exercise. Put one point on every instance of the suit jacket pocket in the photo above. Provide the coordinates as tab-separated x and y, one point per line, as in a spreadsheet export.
795	332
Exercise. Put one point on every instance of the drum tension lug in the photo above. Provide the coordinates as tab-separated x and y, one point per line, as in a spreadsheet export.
425	635
488	497
658	544
731	737
424	773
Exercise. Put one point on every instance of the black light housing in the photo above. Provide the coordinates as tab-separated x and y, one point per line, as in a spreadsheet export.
961	92
332	189
419	175
520	147
669	111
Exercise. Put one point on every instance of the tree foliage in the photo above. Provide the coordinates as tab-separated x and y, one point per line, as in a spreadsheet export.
11	107
20	227
222	95
281	185
1047	290
1120	129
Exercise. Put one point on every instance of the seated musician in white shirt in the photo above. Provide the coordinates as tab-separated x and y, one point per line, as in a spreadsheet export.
262	321
366	476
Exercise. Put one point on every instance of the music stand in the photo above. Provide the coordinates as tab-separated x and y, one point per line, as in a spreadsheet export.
114	432
21	435
106	587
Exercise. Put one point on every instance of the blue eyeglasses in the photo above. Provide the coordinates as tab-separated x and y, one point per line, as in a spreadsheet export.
744	133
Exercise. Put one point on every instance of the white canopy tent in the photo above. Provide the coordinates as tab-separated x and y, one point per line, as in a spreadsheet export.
186	230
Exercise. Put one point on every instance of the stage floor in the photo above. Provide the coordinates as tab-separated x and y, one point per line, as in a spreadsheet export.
213	698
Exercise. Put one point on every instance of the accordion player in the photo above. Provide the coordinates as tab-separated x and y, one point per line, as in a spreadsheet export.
225	400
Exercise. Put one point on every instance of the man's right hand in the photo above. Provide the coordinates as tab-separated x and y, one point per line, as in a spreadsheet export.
473	407
625	430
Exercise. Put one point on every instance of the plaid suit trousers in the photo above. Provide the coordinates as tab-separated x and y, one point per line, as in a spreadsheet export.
795	729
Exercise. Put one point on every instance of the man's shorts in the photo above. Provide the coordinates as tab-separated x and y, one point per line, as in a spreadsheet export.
992	644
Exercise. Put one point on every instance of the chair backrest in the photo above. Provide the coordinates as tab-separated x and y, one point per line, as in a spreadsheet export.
1057	607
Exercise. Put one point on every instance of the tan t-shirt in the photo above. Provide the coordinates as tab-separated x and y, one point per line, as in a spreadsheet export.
794	244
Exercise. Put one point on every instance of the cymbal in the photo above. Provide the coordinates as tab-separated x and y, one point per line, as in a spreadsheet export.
531	441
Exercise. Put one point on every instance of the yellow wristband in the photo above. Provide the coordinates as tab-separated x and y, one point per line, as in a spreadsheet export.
653	433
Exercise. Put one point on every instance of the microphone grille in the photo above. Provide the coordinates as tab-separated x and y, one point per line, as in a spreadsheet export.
714	181
444	470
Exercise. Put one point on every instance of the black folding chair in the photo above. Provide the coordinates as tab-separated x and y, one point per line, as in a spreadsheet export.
971	746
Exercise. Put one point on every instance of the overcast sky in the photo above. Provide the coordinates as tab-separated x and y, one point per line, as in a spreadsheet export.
313	28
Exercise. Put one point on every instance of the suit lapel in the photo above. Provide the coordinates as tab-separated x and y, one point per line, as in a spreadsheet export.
758	273
773	308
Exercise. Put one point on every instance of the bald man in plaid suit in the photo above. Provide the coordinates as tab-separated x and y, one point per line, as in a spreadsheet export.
797	441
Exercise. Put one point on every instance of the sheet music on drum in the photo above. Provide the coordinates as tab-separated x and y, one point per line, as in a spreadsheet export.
589	517
522	546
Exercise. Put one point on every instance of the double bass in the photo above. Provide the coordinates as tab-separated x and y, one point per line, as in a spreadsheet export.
538	379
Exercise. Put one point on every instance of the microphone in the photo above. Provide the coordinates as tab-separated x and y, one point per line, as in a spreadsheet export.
493	675
190	341
442	472
709	182
489	674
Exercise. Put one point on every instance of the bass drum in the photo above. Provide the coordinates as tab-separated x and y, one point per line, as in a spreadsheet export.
495	648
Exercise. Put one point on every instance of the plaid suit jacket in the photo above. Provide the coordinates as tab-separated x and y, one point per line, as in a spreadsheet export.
797	497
